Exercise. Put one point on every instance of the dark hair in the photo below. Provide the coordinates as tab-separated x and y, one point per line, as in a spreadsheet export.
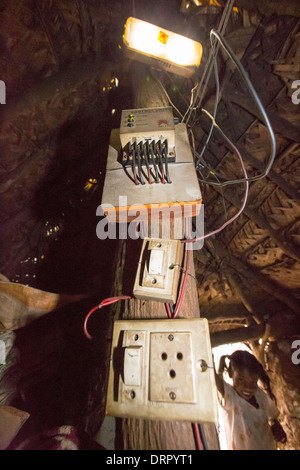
245	360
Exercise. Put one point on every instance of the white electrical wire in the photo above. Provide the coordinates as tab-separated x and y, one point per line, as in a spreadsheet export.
252	91
214	232
208	66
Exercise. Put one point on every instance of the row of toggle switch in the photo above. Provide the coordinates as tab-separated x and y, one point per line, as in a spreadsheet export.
150	156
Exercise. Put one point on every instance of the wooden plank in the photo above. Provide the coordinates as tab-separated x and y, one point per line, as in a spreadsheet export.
140	434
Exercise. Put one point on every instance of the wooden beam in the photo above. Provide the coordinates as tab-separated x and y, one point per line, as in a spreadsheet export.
271	7
274	328
279	124
237	284
237	335
141	434
247	271
273	176
260	220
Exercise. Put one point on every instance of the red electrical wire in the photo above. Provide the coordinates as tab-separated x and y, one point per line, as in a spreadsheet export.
198	440
149	176
104	303
168	310
178	305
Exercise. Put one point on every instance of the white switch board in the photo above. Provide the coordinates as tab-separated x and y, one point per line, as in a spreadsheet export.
158	270
172	374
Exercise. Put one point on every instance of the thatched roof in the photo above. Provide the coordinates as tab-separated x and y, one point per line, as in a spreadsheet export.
67	80
59	64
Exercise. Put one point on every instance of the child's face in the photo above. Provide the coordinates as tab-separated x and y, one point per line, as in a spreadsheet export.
244	383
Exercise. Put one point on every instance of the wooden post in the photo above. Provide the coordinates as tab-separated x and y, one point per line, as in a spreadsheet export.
140	434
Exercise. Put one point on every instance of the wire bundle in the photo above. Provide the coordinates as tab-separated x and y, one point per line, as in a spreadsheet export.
173	313
154	156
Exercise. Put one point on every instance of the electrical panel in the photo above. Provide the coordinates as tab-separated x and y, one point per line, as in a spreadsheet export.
149	164
158	270
148	141
162	369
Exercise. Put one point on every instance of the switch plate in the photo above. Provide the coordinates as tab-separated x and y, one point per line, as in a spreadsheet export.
158	270
172	384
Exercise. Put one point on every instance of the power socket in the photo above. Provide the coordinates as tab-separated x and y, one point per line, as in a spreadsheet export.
162	369
172	375
158	270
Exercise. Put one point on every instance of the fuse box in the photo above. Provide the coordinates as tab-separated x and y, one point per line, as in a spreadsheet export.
149	164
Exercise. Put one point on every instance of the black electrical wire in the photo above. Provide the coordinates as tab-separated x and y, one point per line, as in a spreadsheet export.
215	105
158	150
208	66
203	438
165	152
265	118
139	164
171	309
152	155
257	100
145	154
132	151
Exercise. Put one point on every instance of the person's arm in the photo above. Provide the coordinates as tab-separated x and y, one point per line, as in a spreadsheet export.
219	383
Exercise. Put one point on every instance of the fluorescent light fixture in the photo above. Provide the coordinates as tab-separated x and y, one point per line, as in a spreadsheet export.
159	47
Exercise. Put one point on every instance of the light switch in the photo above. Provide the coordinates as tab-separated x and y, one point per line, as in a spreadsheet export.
156	262
158	270
132	366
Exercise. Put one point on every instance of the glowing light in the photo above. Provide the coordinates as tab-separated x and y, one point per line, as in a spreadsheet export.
90	184
153	42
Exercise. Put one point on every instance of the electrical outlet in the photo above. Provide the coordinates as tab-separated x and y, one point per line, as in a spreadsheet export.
158	270
171	368
162	369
